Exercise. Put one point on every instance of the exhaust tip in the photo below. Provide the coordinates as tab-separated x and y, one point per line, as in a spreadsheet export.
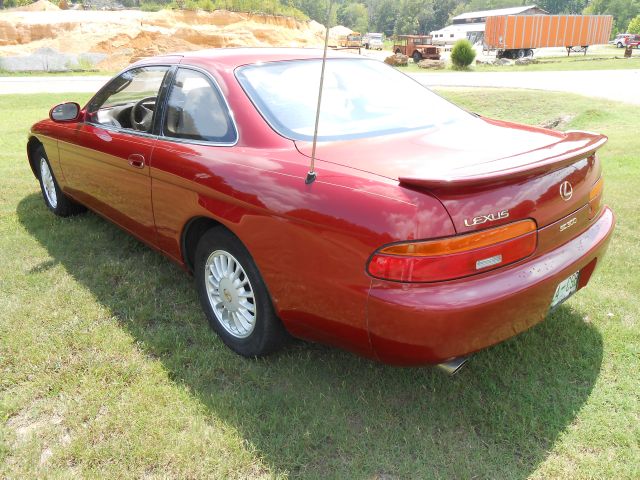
452	366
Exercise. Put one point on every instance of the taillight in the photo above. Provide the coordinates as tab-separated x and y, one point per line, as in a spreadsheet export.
455	257
595	198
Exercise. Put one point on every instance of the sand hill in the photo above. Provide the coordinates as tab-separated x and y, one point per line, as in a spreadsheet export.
120	37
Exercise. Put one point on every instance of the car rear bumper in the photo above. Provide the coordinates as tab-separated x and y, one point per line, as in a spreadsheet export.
411	324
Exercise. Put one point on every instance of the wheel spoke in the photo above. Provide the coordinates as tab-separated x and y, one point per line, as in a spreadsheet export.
214	272
241	283
248	315
249	306
218	265
243	321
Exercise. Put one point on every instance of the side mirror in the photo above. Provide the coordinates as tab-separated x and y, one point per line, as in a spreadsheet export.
65	112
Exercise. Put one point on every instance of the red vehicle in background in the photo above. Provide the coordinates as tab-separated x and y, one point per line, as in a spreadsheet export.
404	244
623	40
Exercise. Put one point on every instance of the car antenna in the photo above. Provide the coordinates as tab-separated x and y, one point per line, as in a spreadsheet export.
311	174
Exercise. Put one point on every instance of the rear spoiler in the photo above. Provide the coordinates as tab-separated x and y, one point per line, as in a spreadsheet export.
574	146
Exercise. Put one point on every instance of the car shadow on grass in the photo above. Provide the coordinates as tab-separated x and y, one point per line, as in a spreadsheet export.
316	412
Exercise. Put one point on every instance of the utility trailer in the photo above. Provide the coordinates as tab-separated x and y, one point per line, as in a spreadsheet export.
515	36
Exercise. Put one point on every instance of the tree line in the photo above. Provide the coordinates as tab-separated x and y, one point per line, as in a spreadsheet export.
423	16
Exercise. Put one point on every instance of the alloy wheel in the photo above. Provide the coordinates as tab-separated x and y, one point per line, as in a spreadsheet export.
230	293
48	183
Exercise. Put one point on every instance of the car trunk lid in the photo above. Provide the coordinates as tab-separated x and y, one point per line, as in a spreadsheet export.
485	172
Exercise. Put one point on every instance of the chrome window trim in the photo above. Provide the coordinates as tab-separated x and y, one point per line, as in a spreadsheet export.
111	128
226	105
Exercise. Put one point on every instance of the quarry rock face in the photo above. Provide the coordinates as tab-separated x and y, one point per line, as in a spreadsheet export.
121	37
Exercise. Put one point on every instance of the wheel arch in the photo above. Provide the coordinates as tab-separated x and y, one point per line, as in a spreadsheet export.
32	146
191	234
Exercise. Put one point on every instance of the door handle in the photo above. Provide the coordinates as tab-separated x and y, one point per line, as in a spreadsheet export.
136	160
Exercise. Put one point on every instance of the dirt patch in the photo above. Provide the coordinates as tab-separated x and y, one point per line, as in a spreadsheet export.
557	123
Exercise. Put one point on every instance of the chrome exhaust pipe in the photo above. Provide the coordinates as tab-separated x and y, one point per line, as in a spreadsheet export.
452	366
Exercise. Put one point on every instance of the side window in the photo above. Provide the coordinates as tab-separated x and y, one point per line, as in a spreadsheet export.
196	110
129	101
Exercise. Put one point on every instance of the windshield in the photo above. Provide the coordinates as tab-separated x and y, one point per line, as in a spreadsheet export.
360	98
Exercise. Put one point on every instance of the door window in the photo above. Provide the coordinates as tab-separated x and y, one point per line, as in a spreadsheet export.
196	110
129	101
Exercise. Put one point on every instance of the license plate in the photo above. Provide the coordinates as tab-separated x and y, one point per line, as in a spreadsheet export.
566	288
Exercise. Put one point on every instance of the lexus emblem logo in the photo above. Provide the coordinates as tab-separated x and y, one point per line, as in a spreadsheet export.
566	190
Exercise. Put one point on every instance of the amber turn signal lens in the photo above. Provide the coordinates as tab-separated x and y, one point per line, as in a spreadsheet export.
455	257
595	198
462	243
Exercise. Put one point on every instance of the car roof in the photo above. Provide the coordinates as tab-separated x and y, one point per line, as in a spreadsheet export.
235	57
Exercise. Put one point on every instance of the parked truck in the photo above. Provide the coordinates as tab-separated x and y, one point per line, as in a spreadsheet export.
515	36
373	41
418	47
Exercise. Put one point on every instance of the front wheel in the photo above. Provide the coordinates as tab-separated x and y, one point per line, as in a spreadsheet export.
417	56
234	296
54	199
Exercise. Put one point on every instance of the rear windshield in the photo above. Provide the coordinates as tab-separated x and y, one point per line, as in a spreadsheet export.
361	98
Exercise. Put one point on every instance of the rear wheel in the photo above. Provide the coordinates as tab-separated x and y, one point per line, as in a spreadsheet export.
234	296
529	53
520	53
619	45
54	199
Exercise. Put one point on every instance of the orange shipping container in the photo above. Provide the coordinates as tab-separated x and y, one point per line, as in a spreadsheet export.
508	32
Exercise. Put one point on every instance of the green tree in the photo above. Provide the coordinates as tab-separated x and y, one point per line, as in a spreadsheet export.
622	10
355	16
315	9
414	16
634	25
382	16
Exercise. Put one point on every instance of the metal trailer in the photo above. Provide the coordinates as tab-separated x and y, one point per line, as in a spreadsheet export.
515	36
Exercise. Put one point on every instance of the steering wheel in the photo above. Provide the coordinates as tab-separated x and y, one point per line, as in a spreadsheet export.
139	110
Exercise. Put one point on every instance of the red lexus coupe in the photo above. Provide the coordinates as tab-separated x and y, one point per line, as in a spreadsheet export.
427	233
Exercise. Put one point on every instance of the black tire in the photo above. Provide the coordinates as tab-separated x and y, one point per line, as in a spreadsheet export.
54	199
619	45
529	53
520	53
398	51
417	56
267	334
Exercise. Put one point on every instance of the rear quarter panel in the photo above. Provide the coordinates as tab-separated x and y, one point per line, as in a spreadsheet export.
311	242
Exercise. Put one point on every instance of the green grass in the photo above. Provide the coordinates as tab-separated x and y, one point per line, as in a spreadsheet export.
108	370
546	64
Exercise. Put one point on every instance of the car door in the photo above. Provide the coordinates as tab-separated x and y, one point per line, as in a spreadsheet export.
197	129
105	161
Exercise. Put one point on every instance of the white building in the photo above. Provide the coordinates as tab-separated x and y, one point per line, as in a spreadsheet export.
471	25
